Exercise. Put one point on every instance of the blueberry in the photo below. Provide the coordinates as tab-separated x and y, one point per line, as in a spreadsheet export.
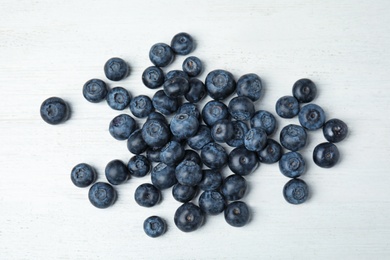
265	120
83	175
211	180
154	226
161	54
138	166
335	130
118	98
292	164
163	176
95	90
155	133
176	73
141	106
240	129
54	111
157	115
201	138
287	107
135	143
220	84
293	137
172	153
241	108
102	195
164	104
176	87
188	173
249	85
271	152
182	43
326	155
312	117
192	66
255	139
116	69
196	92
153	154
190	109
304	90
183	193
214	155
184	126
116	172
295	191
191	155
237	214
153	77
214	111
233	187
212	202
146	195
122	126
188	217
243	161
222	131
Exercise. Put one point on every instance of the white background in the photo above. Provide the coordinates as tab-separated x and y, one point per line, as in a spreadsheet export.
51	48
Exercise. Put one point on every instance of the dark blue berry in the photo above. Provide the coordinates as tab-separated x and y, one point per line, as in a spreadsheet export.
222	131
176	73
122	126
241	108
312	117
220	84
153	154
118	98
155	133
287	107
249	85
304	90
135	143
141	106
293	137
116	69
191	155
214	155
255	139
146	195
211	180
190	109
163	176
237	214
196	92
184	126
95	90
240	129
326	155
176	87
188	217
271	152
183	193
102	195
265	120
243	161
201	138
292	164
54	110
172	153
157	115
153	77
182	43
164	104
335	130
138	166
83	175
192	66
188	173
161	54
214	111
116	172
154	226
234	187
295	191
212	202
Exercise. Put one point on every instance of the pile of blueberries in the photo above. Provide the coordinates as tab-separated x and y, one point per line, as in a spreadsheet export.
171	126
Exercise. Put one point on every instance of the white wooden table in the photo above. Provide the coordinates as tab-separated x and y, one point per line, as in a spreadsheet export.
51	48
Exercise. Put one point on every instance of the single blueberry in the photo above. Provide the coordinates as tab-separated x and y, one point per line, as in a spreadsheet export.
154	226
295	191
265	120
95	90
83	175
271	152
293	137
157	115
196	92
220	84
212	202
161	54
249	85
287	107
326	155
222	131
155	133
141	106
163	176
192	66
234	187
182	43
292	164
243	161
102	195
188	217
201	138
183	193
184	126
304	90
241	108
118	98
164	104
214	155
138	166
240	129
211	180
116	69
191	155
176	87
188	173
122	126
255	139
214	111
190	109
135	143
312	117
147	195
153	77
335	130
237	214
176	73
153	154
54	111
172	153
116	172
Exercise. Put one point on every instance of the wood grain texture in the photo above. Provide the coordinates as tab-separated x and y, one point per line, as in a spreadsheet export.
51	48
